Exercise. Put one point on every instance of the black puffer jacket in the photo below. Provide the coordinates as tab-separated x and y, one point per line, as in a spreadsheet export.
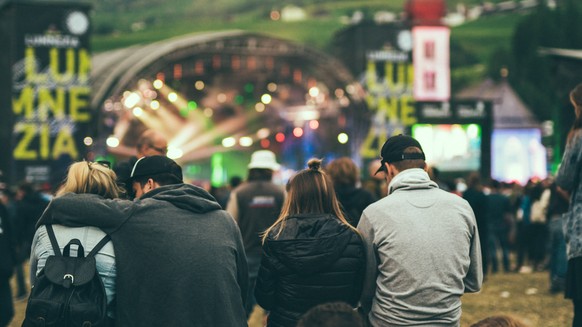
354	201
315	260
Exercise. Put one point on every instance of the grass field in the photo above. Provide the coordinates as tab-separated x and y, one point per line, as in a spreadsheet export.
523	295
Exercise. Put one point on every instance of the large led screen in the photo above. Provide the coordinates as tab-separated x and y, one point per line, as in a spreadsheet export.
450	147
517	155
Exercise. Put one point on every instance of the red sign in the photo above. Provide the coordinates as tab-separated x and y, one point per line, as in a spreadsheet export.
426	12
431	63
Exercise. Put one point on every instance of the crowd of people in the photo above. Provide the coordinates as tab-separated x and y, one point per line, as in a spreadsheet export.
520	226
20	209
327	249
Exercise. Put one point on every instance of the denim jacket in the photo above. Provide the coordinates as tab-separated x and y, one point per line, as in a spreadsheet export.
568	178
89	237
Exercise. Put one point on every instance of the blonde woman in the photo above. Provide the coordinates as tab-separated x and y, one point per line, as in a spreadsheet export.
312	255
83	177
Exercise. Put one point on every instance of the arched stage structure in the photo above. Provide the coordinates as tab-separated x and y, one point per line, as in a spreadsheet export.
219	96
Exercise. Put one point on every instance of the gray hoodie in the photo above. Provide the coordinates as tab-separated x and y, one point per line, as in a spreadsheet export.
423	253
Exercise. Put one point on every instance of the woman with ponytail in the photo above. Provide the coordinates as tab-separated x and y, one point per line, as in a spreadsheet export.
311	254
568	182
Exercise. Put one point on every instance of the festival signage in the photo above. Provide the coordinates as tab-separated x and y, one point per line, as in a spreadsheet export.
381	56
49	61
431	63
388	80
456	111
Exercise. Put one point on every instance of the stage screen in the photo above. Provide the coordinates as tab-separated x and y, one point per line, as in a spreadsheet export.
517	155
450	147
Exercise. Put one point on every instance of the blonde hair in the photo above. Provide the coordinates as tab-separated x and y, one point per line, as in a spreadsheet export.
309	191
90	177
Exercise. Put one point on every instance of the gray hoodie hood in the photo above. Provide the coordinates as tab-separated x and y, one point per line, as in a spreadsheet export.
184	196
411	179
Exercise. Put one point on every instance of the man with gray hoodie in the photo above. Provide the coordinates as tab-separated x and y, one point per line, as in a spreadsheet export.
422	245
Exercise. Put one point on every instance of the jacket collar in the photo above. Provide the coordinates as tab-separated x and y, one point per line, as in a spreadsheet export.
411	179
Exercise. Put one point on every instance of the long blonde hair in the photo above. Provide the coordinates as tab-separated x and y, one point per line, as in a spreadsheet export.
90	177
309	191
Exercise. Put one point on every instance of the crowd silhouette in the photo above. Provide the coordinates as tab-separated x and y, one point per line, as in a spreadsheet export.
329	248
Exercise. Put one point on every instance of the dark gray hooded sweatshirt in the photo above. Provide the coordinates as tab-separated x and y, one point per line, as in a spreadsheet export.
180	258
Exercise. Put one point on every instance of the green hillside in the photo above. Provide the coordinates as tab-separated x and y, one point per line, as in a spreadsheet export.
486	34
121	23
145	21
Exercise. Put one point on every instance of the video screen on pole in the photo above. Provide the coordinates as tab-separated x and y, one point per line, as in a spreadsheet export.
517	155
450	147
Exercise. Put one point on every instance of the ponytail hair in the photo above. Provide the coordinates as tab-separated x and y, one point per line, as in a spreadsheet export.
309	191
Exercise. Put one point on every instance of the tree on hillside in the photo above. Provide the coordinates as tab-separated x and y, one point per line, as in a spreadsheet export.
541	81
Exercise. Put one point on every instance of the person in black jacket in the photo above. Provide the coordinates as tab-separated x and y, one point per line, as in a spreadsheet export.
255	206
345	175
479	203
312	255
28	207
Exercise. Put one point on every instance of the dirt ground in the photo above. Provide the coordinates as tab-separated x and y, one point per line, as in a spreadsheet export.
525	296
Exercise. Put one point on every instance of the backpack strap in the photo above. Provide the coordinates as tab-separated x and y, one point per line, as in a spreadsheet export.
52	237
99	245
57	249
80	249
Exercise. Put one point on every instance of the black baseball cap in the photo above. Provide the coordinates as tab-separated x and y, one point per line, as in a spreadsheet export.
154	165
393	150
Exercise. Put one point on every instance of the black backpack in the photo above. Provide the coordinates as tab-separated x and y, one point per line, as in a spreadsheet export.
68	290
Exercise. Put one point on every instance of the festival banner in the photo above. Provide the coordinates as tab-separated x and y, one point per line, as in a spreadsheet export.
49	61
389	81
432	80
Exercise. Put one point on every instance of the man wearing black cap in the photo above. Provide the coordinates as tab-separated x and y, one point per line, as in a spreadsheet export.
150	143
180	258
422	245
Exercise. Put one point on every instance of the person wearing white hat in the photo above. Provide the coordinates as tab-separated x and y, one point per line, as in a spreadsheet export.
264	159
255	205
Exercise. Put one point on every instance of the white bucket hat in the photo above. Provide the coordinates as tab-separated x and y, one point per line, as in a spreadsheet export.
264	159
